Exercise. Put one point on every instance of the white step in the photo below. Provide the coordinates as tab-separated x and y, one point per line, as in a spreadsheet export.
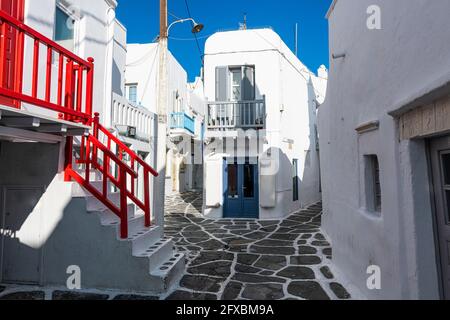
169	273
98	184
151	253
93	204
94	175
146	238
162	250
108	218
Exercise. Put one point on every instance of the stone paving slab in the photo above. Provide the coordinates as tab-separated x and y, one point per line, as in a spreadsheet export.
235	259
231	259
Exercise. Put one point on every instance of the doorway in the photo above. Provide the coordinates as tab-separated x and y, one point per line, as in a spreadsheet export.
440	162
241	190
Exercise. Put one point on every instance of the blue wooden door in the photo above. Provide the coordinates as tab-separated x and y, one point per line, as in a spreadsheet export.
241	190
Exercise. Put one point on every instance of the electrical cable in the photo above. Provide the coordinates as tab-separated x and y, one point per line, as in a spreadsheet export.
195	35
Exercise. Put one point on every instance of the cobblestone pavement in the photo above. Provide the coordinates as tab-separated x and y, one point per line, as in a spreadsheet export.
248	259
231	259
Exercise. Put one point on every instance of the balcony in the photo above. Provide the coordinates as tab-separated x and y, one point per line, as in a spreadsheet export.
43	87
132	121
237	115
180	122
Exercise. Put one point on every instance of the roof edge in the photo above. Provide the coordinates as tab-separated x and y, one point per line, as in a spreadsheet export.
331	9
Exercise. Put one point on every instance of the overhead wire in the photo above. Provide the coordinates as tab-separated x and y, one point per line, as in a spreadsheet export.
195	35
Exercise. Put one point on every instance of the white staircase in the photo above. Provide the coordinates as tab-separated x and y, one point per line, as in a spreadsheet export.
148	258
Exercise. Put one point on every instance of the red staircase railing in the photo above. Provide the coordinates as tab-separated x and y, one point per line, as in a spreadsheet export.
110	160
74	82
72	100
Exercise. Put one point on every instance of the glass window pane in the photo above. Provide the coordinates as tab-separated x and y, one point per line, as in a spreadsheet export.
237	77
132	94
446	168
233	181
249	178
236	93
64	26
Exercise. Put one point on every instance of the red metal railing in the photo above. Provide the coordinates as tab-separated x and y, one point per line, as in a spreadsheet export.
74	82
114	161
117	164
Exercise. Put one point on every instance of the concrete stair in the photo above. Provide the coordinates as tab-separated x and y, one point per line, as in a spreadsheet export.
145	245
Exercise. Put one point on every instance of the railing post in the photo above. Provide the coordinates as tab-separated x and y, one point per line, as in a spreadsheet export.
95	129
68	100
35	76
68	158
19	70
80	71
48	80
148	221
96	122
105	175
133	180
3	49
60	78
90	86
123	205
88	160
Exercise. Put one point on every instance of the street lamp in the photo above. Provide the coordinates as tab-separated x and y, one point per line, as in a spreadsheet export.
198	27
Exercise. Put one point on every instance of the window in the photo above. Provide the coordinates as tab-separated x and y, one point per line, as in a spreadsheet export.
295	179
64	29
132	93
233	181
236	81
373	183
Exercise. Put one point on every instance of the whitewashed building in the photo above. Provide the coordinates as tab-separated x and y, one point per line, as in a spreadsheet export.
185	112
261	157
385	146
73	196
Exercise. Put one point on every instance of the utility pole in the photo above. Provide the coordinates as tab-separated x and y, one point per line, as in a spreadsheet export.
161	137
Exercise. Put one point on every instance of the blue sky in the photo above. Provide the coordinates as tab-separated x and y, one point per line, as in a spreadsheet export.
141	18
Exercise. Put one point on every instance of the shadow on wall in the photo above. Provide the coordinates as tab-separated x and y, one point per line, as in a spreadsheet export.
117	79
46	230
26	169
310	190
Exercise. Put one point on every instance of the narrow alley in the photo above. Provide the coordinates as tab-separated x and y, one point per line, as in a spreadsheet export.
250	259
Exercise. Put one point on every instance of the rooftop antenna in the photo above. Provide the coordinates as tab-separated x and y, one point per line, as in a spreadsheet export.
245	21
296	39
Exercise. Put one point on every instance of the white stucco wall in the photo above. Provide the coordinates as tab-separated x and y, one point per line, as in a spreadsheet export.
383	69
290	107
142	69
